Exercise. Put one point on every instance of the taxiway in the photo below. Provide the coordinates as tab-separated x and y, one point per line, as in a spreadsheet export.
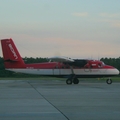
54	100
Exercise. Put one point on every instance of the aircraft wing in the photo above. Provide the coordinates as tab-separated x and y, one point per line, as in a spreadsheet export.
61	59
72	62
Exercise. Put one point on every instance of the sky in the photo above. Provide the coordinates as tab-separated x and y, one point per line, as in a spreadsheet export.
71	28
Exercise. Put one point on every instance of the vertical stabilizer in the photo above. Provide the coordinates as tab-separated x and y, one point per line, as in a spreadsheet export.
12	58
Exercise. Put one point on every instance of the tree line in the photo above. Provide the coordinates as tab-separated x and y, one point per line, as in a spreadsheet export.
4	73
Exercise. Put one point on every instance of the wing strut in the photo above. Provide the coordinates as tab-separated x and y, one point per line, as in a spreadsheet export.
72	70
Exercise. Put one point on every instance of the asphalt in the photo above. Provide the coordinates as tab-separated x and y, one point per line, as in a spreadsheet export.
54	100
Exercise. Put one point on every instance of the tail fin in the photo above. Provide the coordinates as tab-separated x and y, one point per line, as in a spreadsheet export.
12	58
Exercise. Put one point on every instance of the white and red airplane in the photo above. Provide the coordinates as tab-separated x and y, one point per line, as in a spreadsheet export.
72	69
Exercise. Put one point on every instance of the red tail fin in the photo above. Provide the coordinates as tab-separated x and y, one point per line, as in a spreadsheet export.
12	58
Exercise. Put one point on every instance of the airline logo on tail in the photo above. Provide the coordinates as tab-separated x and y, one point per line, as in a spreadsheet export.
13	51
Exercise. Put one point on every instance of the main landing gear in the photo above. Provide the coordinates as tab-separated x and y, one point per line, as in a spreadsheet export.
109	81
72	79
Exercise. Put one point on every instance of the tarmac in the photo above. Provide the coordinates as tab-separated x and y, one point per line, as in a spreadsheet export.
55	100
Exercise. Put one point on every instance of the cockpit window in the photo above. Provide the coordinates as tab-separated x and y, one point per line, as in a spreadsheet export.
103	63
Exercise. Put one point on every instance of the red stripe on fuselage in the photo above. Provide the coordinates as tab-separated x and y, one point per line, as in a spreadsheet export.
47	65
57	65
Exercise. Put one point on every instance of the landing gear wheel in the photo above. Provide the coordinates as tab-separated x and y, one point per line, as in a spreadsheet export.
109	81
75	81
69	81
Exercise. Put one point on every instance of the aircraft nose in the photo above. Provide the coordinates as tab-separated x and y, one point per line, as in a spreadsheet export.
117	72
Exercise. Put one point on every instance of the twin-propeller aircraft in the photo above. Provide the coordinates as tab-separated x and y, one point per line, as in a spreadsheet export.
72	69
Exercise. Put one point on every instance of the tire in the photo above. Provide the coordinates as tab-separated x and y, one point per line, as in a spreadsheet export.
109	81
69	81
75	81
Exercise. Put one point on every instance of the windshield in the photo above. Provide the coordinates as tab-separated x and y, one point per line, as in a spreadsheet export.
103	63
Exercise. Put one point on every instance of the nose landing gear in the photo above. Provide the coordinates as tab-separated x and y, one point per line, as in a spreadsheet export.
109	81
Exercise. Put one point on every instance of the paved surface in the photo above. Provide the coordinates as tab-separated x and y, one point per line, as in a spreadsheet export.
54	100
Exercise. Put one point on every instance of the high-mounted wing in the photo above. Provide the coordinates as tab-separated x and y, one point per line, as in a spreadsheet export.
72	62
61	59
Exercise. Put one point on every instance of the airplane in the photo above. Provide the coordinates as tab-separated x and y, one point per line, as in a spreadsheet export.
72	69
